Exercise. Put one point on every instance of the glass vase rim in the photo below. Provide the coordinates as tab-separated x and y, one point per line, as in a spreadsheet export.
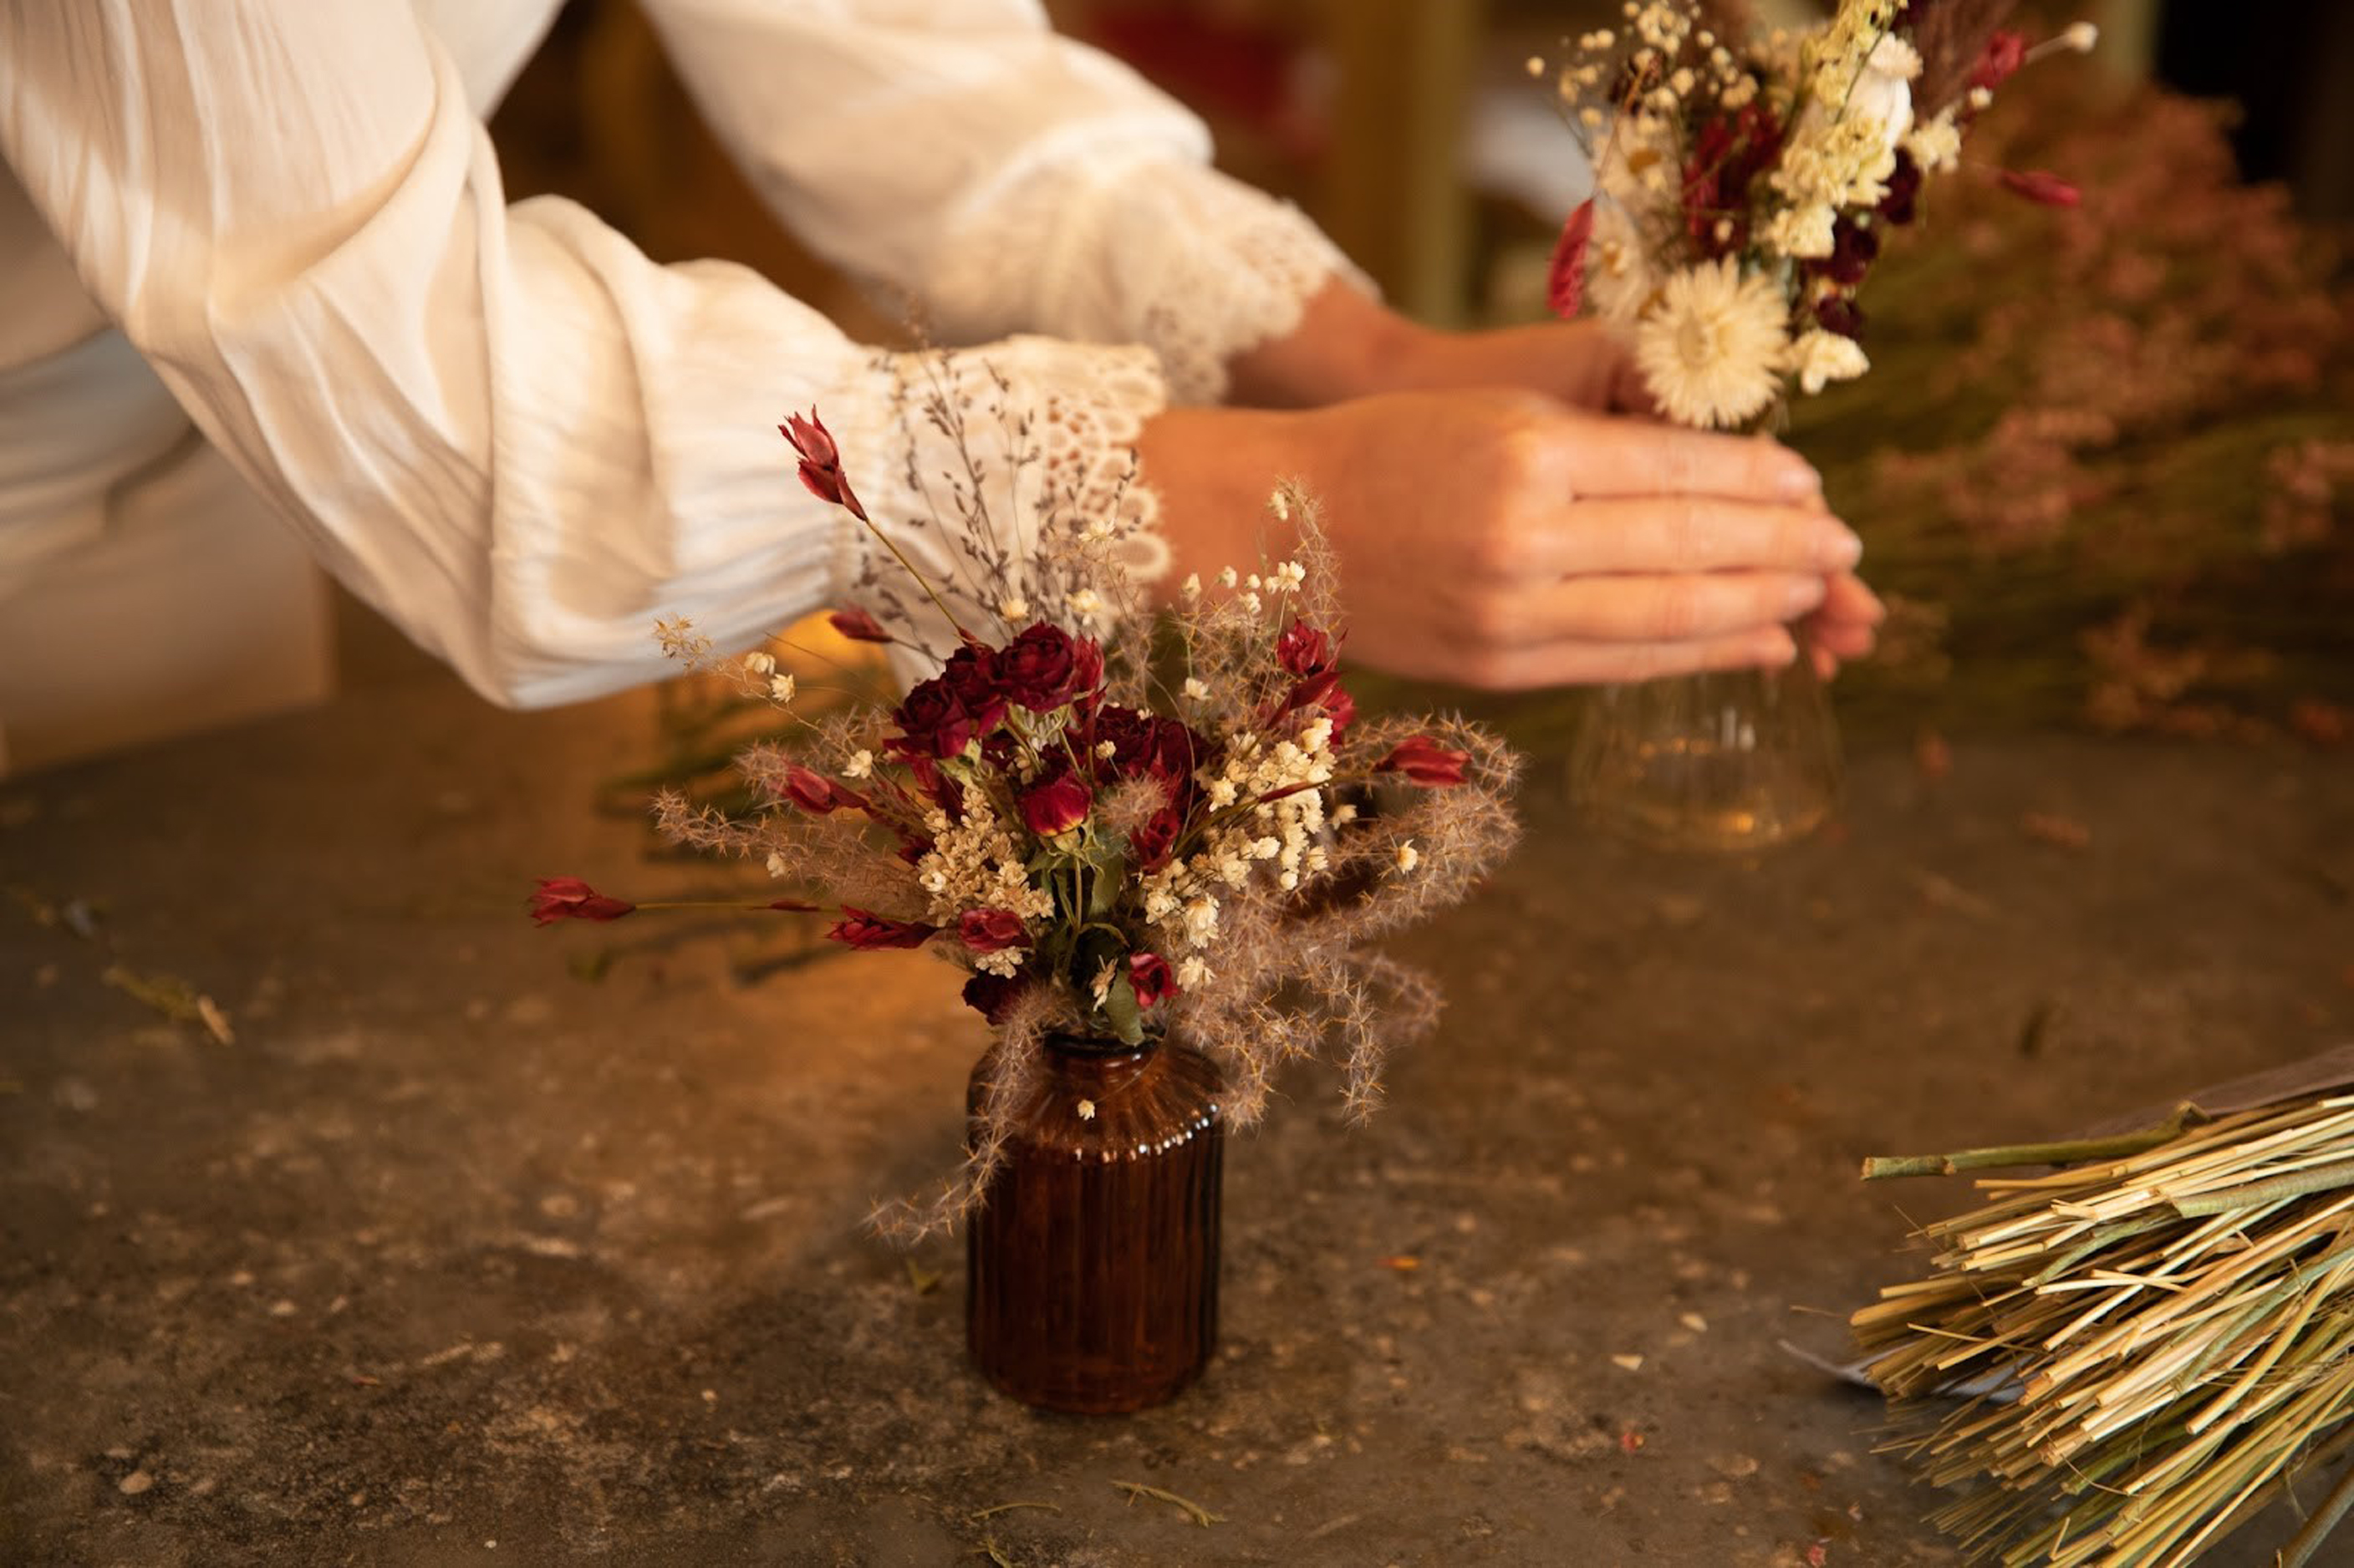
1100	1047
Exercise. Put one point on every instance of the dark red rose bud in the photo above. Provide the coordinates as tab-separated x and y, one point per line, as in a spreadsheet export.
1055	805
857	625
993	996
1040	669
2037	186
2005	52
1839	314
815	793
569	898
1425	762
1153	979
867	932
1303	651
1854	248
991	930
821	462
1154	838
1566	279
1898	205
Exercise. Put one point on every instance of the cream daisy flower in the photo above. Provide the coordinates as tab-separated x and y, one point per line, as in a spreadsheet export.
1618	275
1712	349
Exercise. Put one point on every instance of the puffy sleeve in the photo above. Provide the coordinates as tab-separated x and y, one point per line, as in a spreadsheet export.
1009	178
502	425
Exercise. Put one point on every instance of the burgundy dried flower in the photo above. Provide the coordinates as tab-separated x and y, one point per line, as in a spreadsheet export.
2005	52
1304	650
1042	669
932	722
1151	840
993	996
2037	186
1055	804
1854	248
1899	205
1841	314
1566	279
569	898
821	462
867	932
815	793
857	625
1153	979
1425	762
972	674
991	930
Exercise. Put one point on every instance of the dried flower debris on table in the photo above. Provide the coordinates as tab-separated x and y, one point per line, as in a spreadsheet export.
1118	821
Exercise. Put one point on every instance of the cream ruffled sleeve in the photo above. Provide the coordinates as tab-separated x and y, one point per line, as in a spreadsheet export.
1008	178
511	433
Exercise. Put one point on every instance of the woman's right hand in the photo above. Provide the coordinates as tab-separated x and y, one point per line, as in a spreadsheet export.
1497	539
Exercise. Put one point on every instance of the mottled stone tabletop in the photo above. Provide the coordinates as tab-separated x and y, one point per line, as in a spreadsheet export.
477	1244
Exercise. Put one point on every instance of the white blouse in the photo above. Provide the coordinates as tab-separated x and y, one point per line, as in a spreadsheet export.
501	425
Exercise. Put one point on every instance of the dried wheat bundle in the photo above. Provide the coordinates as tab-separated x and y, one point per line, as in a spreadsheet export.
2124	1357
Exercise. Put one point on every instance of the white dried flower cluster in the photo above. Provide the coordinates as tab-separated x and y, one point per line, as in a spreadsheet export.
972	864
1181	897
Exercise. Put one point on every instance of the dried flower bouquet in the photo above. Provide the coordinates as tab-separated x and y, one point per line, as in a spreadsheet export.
1117	821
1746	183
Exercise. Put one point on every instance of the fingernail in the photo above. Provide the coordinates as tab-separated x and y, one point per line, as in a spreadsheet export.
1802	594
1797	483
1838	547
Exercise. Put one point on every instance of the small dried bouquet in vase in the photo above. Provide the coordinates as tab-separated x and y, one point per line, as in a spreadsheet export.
1743	186
1119	823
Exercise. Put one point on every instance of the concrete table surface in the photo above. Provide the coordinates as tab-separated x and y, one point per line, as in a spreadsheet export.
457	1254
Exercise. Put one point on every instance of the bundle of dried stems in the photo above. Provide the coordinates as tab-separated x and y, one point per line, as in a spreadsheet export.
2121	1359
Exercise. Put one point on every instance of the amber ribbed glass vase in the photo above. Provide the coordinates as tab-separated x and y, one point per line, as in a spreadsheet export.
1092	1265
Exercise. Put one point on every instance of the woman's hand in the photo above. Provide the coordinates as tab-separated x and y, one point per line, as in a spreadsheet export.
1498	539
1347	346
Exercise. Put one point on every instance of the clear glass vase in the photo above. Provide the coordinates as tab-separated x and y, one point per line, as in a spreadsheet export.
1726	761
1091	1279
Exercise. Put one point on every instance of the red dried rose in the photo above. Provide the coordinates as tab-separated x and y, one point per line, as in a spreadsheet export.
1425	762
1565	278
1153	979
1151	840
991	930
971	673
932	722
569	898
857	625
992	996
821	462
1055	804
1148	744
1042	669
867	932
2037	186
1304	650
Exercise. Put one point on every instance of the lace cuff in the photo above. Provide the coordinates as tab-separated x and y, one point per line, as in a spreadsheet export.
1145	247
1005	475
